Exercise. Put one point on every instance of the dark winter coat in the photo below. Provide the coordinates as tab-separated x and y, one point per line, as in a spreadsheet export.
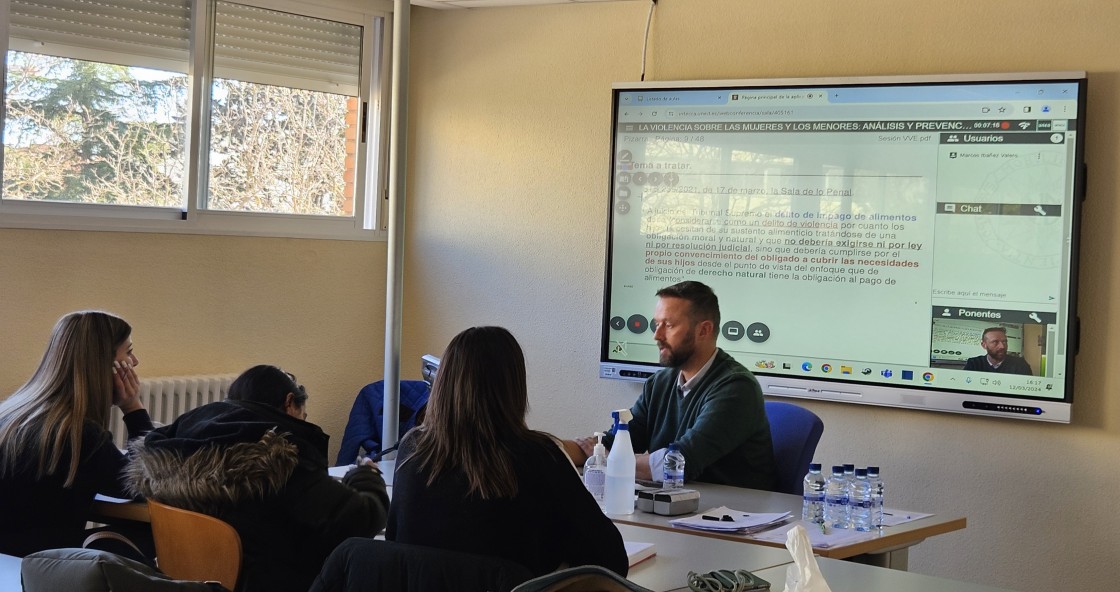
265	473
42	513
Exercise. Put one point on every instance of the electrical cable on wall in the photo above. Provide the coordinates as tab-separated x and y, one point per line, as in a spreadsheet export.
645	41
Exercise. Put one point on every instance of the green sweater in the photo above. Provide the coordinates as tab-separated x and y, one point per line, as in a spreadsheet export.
721	427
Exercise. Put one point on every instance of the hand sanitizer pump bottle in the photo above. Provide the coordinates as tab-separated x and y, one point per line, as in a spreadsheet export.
595	471
619	497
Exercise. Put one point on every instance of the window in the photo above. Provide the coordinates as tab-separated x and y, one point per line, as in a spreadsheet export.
270	126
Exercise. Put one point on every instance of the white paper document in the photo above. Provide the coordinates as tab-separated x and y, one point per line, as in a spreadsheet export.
894	517
724	519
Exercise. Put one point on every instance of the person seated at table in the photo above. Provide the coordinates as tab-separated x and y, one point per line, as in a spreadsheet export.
474	478
703	401
255	462
55	450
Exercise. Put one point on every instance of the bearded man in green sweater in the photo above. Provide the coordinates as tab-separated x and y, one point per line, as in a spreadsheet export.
703	400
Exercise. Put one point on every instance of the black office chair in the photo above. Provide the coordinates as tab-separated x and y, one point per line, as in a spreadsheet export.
795	432
370	565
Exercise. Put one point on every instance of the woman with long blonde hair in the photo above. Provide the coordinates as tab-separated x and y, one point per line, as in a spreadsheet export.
55	450
475	478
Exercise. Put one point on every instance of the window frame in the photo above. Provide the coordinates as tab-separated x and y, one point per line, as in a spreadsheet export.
368	221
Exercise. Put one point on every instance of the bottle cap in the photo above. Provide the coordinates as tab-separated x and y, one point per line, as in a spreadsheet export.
872	470
621	418
673	447
861	472
837	469
815	466
848	467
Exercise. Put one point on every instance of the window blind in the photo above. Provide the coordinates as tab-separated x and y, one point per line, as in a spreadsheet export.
251	44
150	33
273	47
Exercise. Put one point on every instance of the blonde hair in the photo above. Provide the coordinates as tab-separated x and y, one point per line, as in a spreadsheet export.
73	383
476	413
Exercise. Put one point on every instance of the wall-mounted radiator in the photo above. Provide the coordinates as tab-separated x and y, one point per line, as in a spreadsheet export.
167	398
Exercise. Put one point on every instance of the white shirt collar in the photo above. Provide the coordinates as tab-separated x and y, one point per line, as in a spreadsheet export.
686	387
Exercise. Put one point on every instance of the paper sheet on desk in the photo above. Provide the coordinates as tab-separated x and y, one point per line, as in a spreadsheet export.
894	517
835	537
113	500
744	522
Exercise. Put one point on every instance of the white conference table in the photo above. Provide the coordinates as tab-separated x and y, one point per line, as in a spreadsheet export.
845	576
678	553
886	548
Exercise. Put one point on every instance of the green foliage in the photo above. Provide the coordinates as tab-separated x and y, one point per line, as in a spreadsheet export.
80	131
92	132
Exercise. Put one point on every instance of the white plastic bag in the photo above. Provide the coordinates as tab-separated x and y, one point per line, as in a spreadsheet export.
803	575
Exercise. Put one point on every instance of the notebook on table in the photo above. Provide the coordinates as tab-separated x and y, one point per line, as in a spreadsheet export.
638	552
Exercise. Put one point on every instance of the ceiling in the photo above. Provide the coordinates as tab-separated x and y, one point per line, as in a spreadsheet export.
464	4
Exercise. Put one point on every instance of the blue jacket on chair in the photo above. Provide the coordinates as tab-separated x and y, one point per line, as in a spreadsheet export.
363	429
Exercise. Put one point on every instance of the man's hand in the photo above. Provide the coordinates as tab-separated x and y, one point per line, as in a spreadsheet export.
641	468
579	450
587	445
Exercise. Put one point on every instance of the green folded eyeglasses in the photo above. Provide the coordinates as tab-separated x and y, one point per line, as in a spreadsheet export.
726	580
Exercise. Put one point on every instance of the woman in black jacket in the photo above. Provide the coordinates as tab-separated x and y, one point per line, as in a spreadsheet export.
474	478
55	452
256	463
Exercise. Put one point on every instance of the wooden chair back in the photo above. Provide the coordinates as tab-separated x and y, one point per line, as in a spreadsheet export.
194	546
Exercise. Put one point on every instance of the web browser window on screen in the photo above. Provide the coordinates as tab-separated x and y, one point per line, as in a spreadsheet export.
860	233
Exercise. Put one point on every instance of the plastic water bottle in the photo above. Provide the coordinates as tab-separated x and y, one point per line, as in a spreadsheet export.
836	499
859	500
876	496
849	478
673	477
619	488
812	509
595	471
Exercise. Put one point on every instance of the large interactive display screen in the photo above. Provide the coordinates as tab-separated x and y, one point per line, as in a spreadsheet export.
862	235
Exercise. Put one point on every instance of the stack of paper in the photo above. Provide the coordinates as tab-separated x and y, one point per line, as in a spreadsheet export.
724	519
637	552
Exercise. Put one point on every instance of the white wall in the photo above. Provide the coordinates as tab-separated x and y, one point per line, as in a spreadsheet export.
508	147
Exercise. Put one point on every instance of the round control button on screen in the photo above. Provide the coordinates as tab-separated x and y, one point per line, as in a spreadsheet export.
637	323
733	330
618	323
758	332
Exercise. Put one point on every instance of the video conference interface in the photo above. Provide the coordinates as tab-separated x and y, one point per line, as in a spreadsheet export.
863	233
